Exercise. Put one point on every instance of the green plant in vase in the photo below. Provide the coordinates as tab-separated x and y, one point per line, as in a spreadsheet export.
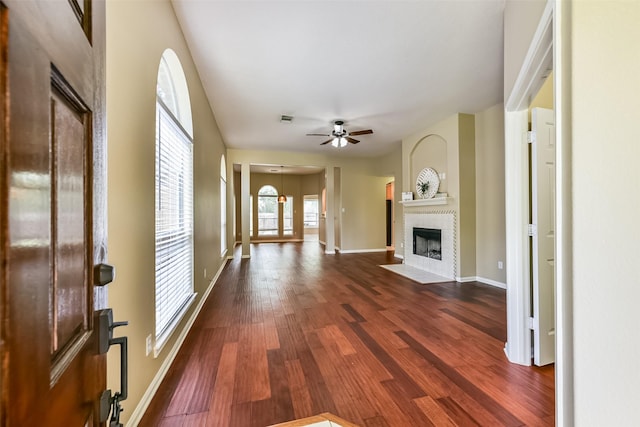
424	187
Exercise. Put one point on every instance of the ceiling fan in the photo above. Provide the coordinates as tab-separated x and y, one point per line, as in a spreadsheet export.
340	136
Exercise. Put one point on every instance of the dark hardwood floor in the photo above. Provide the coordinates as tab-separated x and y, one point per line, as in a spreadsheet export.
293	332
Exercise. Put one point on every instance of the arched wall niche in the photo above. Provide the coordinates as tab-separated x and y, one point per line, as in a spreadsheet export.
429	152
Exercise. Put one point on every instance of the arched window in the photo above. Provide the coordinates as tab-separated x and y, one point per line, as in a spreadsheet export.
174	199
223	206
267	211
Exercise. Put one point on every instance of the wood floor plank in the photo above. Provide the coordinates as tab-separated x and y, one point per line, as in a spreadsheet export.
377	421
195	420
209	358
293	332
471	389
300	397
406	383
397	393
219	414
434	412
240	415
279	388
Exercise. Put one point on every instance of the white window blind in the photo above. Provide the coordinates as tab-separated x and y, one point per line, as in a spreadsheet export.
174	222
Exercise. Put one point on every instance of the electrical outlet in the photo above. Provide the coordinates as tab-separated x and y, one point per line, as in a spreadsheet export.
402	244
149	345
205	273
500	265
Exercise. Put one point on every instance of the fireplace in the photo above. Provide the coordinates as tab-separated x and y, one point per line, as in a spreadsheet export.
427	242
430	242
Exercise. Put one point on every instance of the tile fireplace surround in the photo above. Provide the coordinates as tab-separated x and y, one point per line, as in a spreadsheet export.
439	220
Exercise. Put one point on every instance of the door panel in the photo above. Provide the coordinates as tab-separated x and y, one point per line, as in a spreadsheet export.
543	214
53	201
70	287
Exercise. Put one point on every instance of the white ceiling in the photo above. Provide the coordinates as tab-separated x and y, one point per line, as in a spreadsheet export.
393	66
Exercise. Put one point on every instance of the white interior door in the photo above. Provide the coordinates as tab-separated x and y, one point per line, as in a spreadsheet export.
543	174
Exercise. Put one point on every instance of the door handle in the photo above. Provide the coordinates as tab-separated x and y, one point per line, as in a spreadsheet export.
111	403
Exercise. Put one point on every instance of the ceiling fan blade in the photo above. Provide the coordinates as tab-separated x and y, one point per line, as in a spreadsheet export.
351	140
318	134
361	132
326	142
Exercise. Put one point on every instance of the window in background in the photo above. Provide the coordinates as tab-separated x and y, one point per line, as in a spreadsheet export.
267	211
310	209
287	217
250	216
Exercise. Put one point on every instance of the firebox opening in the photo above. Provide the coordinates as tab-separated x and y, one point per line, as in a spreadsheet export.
427	242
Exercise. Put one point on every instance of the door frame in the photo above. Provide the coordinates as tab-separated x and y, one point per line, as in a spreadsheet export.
550	48
531	77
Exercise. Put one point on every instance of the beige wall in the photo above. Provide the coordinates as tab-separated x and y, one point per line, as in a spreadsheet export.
490	185
137	34
390	165
605	66
414	158
520	22
467	190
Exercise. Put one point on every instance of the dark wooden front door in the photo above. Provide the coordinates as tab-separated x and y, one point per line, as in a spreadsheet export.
52	214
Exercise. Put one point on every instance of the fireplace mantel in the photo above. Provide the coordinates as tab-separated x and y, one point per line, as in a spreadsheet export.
427	202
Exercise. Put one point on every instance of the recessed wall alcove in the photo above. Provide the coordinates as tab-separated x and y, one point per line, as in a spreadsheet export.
430	151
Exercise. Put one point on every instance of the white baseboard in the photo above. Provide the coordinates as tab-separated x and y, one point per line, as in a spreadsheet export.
277	241
484	280
139	411
398	256
492	282
361	251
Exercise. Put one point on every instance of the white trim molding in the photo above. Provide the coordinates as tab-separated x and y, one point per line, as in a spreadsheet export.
535	68
360	251
492	282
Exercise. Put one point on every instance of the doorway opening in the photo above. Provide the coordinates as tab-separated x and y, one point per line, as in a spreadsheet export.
311	215
389	216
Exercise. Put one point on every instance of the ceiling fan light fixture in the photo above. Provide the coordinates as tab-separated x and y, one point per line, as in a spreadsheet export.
339	142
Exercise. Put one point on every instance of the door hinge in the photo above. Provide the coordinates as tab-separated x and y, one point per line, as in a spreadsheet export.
531	324
531	137
531	230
